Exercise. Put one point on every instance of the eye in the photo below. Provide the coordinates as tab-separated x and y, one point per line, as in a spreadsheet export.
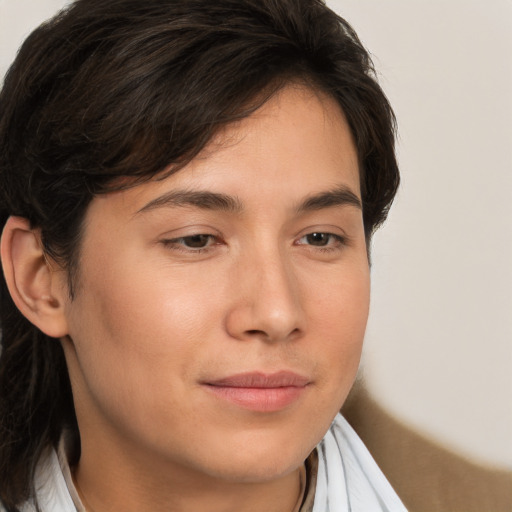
196	241
192	243
319	239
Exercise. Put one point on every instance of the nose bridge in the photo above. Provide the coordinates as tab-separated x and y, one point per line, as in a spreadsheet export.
269	304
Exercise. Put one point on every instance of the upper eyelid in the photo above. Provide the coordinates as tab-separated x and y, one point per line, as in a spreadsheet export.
339	237
183	237
329	229
179	245
188	231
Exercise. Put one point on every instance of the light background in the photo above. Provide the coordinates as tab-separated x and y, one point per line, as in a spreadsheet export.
439	343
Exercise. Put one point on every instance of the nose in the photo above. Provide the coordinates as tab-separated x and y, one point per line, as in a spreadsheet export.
267	303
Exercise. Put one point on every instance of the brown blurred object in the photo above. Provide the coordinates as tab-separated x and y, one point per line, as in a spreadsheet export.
426	476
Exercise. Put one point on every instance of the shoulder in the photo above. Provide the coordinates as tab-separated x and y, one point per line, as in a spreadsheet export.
426	475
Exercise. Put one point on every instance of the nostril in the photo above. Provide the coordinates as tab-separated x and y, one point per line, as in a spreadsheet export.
256	332
260	333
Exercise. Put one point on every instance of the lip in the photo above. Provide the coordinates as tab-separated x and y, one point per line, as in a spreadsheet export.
259	391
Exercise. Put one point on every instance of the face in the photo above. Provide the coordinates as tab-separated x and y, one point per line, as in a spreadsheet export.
220	312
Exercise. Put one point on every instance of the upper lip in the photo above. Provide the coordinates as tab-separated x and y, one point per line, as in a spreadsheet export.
261	380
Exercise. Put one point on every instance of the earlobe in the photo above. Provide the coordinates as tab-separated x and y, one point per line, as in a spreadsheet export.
36	288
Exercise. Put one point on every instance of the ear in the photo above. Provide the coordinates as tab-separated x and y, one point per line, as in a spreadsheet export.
38	290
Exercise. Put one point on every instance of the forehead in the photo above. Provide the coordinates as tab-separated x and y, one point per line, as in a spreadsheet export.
298	143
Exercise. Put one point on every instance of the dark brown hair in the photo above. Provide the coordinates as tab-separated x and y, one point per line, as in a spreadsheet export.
123	88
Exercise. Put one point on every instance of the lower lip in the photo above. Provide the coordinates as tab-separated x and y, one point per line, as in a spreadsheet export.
259	399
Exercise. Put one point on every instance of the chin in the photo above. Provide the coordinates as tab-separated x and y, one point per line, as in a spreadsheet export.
260	458
264	468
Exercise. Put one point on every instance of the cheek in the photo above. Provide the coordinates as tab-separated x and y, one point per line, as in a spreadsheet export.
148	320
138	338
339	314
340	302
144	303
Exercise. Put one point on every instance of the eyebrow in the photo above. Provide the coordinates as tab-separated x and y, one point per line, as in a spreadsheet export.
199	199
339	196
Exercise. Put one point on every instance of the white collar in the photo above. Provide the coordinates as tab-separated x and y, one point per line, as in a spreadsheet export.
348	478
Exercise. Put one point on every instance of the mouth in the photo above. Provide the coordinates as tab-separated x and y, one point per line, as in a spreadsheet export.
260	392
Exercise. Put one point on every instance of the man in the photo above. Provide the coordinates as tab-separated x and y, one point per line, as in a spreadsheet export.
188	192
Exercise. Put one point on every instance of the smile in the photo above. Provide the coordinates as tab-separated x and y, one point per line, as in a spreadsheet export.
260	392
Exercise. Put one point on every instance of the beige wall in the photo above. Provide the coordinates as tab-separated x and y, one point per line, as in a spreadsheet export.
439	343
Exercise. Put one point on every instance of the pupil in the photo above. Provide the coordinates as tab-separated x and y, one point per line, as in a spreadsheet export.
318	238
196	241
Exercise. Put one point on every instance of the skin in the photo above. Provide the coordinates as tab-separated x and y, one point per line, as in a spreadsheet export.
160	311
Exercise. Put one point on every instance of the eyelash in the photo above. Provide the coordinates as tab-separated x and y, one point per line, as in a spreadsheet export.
177	244
334	242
